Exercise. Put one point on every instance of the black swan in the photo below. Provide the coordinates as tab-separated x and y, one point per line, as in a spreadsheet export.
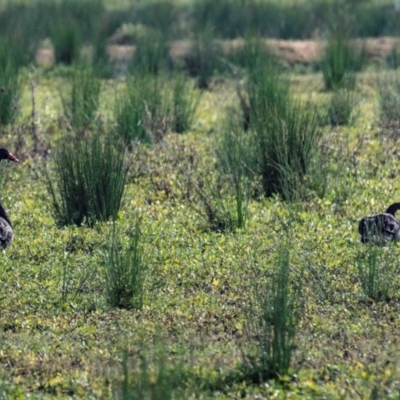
381	228
6	233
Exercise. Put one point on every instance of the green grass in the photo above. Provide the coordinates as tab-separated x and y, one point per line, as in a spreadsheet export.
67	41
10	85
151	55
233	151
80	97
202	60
273	321
184	104
377	272
151	376
61	335
126	269
340	62
341	107
389	97
89	179
142	109
284	132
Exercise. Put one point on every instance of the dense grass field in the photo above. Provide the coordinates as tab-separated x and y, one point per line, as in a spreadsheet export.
187	227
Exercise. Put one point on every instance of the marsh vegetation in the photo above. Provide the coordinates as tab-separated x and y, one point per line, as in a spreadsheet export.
186	208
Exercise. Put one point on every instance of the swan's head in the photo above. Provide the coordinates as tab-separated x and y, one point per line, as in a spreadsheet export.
6	155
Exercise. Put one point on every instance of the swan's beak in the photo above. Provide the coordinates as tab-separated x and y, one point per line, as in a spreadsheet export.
12	157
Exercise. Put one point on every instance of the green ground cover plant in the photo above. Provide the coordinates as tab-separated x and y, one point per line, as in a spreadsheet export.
59	327
166	308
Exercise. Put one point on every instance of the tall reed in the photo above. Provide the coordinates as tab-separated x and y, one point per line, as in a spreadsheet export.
10	86
143	109
272	321
285	131
125	269
389	97
340	62
88	181
80	99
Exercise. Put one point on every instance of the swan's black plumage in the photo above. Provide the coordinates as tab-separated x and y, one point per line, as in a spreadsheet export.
381	228
6	232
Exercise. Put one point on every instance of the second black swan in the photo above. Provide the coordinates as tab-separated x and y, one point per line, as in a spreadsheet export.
381	228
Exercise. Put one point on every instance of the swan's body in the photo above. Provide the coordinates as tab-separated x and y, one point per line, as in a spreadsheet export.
6	232
381	228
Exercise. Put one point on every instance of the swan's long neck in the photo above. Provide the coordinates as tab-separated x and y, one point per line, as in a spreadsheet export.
4	215
393	208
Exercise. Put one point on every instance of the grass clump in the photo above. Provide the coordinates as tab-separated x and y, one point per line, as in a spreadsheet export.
340	62
184	104
85	13
81	100
233	150
125	269
100	58
272	322
161	15
88	182
74	281
67	42
142	110
129	111
221	205
286	132
393	58
151	55
148	384
377	272
340	107
389	98
153	374
222	208
73	23
203	58
10	87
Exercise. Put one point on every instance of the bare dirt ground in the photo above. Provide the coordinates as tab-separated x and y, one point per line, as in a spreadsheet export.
290	52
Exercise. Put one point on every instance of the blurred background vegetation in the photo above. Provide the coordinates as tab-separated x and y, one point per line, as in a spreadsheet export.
71	24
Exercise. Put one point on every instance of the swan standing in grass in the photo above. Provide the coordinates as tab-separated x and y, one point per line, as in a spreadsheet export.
381	228
6	233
